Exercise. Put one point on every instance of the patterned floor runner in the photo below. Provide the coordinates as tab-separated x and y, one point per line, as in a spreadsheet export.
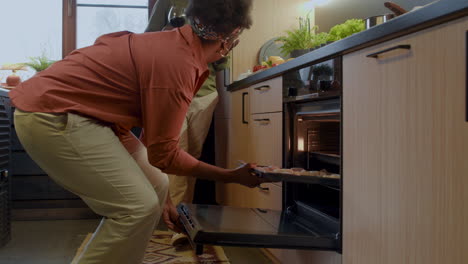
161	251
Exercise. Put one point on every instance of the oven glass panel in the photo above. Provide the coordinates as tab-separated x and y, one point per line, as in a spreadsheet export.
318	142
318	80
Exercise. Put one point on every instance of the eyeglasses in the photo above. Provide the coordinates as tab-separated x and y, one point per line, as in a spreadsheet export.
227	45
230	42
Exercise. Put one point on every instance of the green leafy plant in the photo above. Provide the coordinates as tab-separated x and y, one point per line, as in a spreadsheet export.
320	38
348	28
300	38
39	63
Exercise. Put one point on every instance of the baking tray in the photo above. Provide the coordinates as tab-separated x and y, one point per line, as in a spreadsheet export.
288	177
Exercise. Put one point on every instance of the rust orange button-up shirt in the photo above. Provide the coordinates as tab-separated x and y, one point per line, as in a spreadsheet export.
127	80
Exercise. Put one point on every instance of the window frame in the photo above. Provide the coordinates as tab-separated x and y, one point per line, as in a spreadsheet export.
69	24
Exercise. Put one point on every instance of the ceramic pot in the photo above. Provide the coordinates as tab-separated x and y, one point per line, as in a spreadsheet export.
297	53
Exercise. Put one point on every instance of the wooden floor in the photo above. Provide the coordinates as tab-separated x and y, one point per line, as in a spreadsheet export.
55	242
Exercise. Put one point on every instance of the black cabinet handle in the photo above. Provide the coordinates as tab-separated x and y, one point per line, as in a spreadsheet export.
263	188
263	121
243	108
376	54
262	88
466	76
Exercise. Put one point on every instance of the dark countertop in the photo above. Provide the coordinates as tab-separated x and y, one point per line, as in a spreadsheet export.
428	16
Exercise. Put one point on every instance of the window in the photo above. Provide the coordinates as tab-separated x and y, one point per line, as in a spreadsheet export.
97	17
54	28
30	28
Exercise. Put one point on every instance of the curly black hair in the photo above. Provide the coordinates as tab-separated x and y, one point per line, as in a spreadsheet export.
222	16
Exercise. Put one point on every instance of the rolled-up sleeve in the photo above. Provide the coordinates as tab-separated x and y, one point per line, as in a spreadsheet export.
164	111
128	140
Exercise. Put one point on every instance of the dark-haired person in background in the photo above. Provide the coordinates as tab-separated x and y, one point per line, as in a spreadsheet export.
197	122
74	120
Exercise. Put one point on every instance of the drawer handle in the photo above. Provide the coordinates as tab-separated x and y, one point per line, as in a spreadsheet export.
376	54
263	88
263	121
243	108
265	189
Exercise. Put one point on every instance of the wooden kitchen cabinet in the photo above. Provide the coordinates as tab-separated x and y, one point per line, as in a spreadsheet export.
405	150
254	137
267	96
265	149
237	147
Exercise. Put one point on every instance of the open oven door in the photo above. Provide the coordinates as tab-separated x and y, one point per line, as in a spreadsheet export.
297	227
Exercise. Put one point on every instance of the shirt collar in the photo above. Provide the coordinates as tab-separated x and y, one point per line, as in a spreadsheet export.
196	45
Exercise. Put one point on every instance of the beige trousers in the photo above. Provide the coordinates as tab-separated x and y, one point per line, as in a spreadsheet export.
88	159
192	136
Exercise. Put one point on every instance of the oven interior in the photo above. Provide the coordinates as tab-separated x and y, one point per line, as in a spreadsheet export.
313	142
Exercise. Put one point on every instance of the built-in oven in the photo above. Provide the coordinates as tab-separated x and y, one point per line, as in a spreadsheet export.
311	204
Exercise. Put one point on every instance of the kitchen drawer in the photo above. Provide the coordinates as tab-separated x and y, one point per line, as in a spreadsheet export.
269	196
266	135
266	97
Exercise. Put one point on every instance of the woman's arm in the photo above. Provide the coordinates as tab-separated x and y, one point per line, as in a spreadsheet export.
242	175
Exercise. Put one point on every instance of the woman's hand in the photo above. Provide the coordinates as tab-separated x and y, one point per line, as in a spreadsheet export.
171	216
246	176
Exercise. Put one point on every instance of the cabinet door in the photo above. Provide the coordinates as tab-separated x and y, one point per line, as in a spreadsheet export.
266	149
237	147
405	149
266	136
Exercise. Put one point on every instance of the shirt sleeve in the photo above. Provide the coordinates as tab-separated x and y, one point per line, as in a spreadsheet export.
129	140
164	111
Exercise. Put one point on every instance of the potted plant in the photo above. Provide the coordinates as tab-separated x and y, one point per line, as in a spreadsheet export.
298	41
348	28
320	39
39	63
